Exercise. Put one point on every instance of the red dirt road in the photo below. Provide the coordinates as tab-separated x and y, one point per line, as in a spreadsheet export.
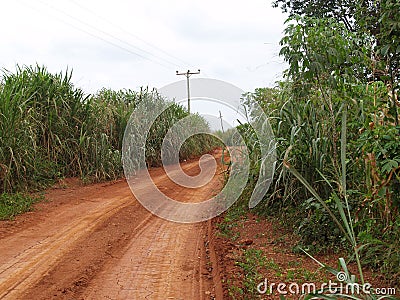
98	242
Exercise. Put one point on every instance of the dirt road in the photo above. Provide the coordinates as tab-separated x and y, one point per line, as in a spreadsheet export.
98	242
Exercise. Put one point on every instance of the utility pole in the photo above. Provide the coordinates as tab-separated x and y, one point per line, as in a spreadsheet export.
187	74
222	125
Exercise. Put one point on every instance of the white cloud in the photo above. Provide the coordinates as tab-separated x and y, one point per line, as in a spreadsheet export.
107	43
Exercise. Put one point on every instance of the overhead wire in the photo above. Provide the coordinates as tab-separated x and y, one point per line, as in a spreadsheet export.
158	60
104	33
131	34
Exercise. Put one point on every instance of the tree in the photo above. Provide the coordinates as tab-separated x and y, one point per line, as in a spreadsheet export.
343	10
378	19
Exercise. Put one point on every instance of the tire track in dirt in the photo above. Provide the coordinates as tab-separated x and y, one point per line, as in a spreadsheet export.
164	260
102	244
42	252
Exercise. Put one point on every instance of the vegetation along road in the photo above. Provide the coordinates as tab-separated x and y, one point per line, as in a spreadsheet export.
332	207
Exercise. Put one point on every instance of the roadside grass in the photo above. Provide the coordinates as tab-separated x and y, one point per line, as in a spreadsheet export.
269	255
230	221
14	204
251	262
50	129
256	266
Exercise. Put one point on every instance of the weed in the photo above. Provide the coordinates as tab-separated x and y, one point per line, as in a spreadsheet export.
251	263
14	204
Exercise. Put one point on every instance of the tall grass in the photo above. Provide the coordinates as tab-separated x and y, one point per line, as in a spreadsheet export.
337	190
40	117
330	202
50	129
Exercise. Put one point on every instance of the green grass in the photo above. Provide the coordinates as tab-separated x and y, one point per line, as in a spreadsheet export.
251	262
14	204
230	221
50	129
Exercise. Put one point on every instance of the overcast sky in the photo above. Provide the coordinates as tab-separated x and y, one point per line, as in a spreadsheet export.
127	44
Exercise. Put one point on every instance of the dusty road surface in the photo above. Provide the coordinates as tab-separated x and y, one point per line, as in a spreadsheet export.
98	242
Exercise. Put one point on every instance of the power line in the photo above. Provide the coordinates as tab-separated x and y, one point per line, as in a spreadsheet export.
104	32
104	39
131	34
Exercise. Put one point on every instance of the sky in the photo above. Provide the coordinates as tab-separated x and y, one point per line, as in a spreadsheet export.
123	44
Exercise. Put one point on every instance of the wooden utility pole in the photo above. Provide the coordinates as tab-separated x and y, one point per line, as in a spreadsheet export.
222	125
187	74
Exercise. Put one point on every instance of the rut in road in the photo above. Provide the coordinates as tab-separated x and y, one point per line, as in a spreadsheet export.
98	242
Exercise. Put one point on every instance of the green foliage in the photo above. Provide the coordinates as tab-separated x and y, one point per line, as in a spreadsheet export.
231	218
381	250
378	215
336	132
342	11
253	146
227	137
14	204
384	142
251	262
38	112
324	57
192	147
375	21
49	129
